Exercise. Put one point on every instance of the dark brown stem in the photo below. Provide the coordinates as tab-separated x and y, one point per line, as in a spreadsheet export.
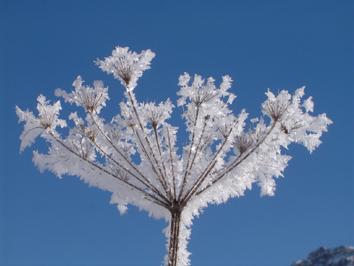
174	237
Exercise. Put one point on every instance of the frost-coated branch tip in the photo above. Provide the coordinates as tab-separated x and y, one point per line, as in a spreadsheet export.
127	66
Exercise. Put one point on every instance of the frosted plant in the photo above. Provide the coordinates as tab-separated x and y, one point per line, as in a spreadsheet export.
134	156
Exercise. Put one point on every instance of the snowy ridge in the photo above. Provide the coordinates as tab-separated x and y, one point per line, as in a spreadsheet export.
340	256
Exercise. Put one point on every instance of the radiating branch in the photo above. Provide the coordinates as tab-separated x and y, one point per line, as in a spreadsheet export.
239	159
209	168
189	152
159	178
162	179
152	187
161	159
171	162
100	168
242	157
189	170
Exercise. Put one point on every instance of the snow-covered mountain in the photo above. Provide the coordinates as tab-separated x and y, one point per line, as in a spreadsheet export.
340	256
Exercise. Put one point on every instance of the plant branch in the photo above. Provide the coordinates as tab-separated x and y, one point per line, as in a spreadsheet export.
152	187
159	178
162	161
146	194
239	159
189	153
162	178
188	172
163	198
171	162
208	169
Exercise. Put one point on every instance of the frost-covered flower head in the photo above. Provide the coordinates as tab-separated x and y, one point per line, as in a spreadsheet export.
201	91
275	106
243	141
46	121
127	66
136	154
156	114
48	114
92	99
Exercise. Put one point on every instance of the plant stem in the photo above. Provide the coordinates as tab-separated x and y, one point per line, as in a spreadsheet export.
174	237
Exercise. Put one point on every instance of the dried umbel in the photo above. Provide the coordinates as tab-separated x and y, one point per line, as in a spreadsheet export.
127	66
135	155
243	142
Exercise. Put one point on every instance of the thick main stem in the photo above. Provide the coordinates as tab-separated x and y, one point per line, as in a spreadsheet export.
174	237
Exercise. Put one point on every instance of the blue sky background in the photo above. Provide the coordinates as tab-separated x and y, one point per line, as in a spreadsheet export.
45	221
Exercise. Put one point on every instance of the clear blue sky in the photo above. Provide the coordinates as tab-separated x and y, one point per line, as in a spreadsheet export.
45	221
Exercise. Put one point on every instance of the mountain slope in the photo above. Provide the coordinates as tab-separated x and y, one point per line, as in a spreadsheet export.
340	256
